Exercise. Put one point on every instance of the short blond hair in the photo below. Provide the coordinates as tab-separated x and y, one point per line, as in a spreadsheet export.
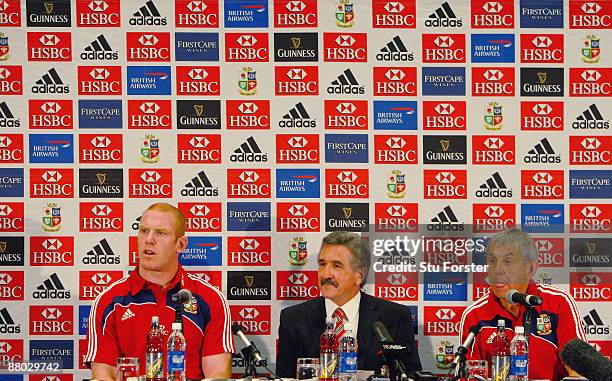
179	221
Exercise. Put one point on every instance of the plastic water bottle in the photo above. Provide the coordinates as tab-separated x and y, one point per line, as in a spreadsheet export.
329	352
176	354
500	361
519	356
347	355
155	352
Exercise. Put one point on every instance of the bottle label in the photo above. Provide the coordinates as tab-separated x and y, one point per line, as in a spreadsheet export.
348	362
155	365
500	368
329	362
518	365
176	361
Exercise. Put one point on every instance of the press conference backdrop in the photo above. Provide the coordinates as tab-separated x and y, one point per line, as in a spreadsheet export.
273	122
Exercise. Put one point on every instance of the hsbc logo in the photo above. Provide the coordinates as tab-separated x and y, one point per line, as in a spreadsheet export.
100	148
49	39
346	115
92	283
590	15
49	47
198	80
248	183
499	82
197	14
541	116
445	184
296	80
199	149
145	47
541	41
98	13
145	114
50	114
11	285
395	81
492	14
202	217
541	109
94	80
396	217
489	218
445	314
451	116
11	80
346	183
295	14
148	40
292	285
394	14
47	320
50	107
493	75
587	218
295	6
591	280
51	183
147	183
442	321
248	115
12	218
590	82
298	142
443	48
395	149
542	185
297	148
101	210
197	74
591	287
252	47
542	48
101	217
298	217
254	320
298	210
493	149
396	286
249	251
51	251
11	148
339	47
590	150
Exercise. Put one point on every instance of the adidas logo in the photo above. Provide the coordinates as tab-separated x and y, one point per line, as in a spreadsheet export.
99	49
200	186
101	254
297	117
248	151
443	16
50	83
395	50
591	119
7	324
7	119
494	187
52	287
593	325
127	314
446	220
148	15
542	153
345	84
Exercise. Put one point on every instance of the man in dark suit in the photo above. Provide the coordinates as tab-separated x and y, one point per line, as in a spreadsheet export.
344	261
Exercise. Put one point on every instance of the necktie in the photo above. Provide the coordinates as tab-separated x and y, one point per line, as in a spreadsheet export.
340	318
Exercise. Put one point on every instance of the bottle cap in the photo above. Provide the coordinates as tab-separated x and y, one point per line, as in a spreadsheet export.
501	323
176	326
519	330
155	319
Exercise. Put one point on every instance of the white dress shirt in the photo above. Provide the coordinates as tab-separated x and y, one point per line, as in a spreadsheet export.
350	308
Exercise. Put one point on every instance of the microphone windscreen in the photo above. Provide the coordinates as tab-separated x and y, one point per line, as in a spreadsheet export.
235	328
509	296
584	359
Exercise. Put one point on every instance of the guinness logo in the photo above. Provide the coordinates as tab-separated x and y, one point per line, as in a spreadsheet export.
101	178
48	8
199	109
542	77
347	212
296	42
444	144
249	279
2	246
590	247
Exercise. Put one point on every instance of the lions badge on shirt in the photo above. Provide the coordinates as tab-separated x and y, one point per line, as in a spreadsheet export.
191	306
544	325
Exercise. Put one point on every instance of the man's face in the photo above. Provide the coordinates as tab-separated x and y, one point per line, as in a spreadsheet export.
507	271
337	279
158	246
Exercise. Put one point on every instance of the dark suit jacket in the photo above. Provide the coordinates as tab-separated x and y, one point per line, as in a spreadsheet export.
301	327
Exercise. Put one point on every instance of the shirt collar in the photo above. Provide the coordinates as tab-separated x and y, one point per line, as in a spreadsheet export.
350	308
137	283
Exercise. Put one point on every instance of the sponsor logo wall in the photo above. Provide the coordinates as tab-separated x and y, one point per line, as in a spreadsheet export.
273	122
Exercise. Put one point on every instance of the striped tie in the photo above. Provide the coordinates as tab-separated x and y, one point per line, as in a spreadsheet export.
340	318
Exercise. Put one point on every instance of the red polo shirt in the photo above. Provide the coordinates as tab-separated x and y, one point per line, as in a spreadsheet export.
120	320
555	322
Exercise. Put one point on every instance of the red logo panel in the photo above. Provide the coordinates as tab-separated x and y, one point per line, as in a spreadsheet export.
492	14
390	217
542	185
196	14
248	183
149	114
493	149
11	217
297	285
346	183
490	218
148	46
202	217
51	182
295	14
298	217
148	183
443	48
101	148
198	80
199	149
591	287
51	320
395	81
448	184
396	149
99	80
542	116
11	80
98	13
442	321
11	350
590	150
248	115
296	80
497	81
11	285
11	148
10	15
541	48
297	149
396	286
590	218
56	251
50	114
49	46
101	217
394	14
345	47
590	14
254	320
444	115
590	82
345	115
550	252
249	251
247	47
92	283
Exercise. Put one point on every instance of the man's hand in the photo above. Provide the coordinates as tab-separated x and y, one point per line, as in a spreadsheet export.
217	366
101	371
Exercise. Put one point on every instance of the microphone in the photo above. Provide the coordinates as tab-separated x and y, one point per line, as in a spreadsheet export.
462	350
238	332
514	297
391	350
182	297
584	359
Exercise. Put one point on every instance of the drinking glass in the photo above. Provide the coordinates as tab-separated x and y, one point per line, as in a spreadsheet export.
127	369
307	368
478	368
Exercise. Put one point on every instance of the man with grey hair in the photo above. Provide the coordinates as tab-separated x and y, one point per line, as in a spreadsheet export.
344	261
512	263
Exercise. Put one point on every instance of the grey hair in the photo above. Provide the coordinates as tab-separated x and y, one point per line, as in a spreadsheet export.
516	239
360	251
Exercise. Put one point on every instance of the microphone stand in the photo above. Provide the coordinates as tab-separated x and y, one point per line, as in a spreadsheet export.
530	310
461	369
250	369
